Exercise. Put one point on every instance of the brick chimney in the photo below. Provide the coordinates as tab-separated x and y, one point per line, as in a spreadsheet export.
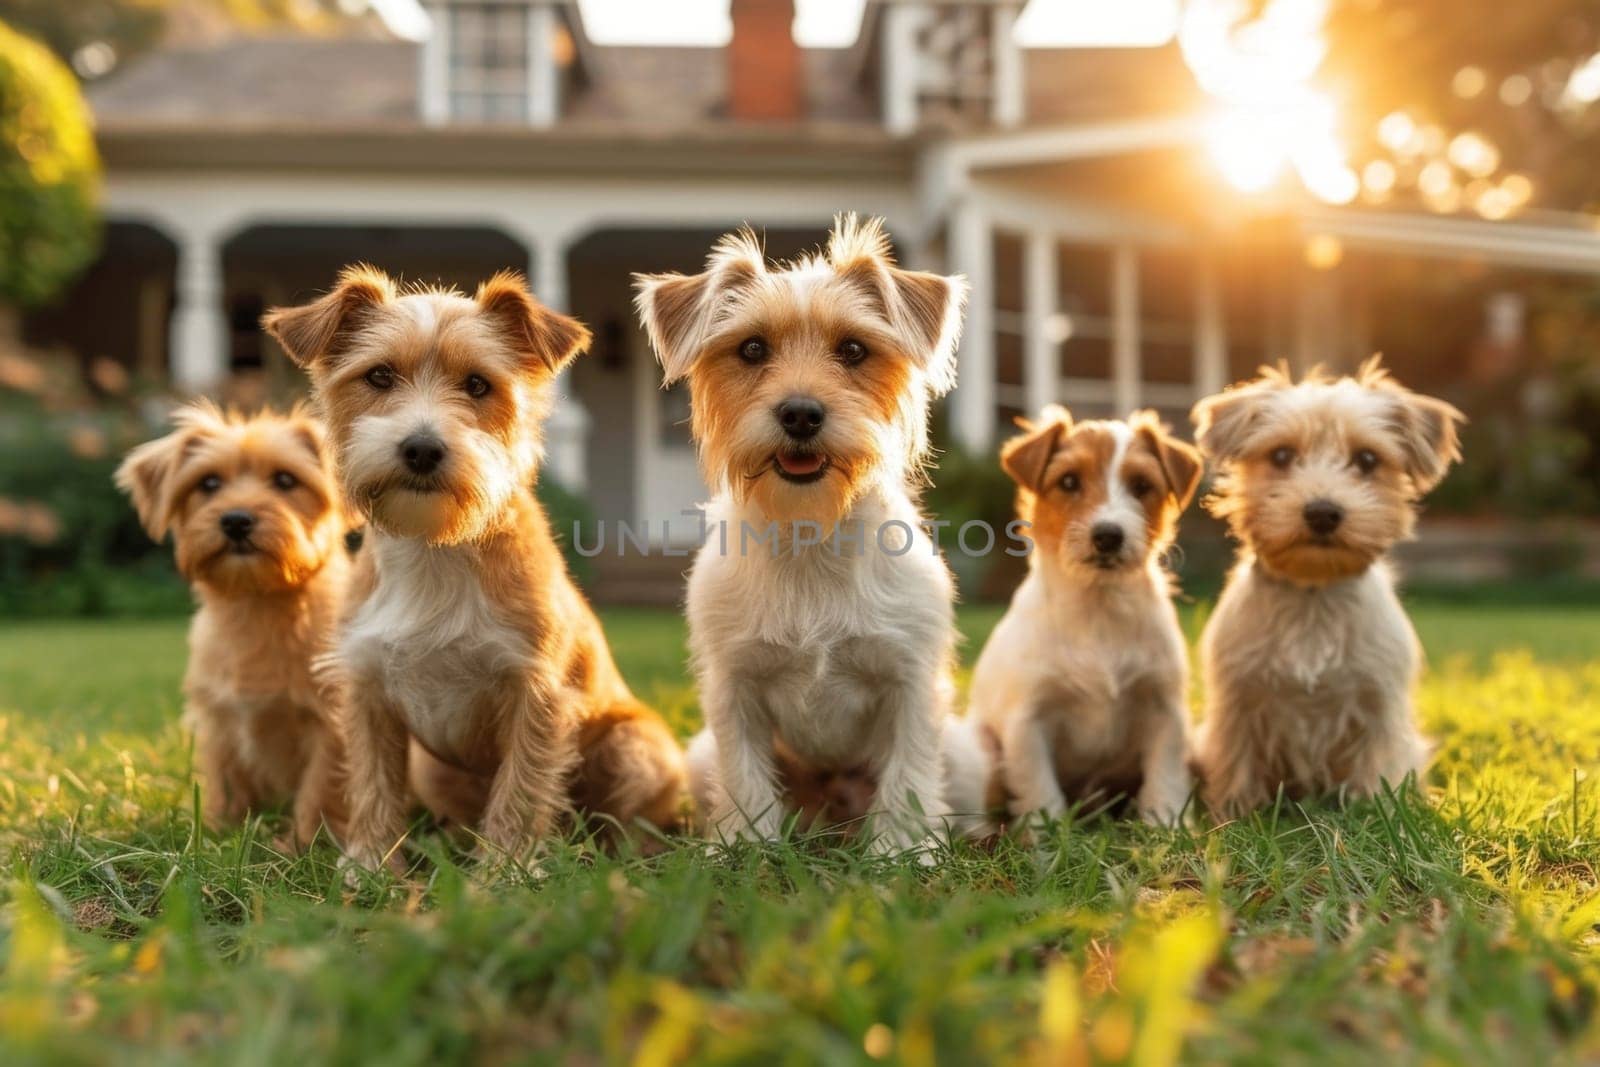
764	75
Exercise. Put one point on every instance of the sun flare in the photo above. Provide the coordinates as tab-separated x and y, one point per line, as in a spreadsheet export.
1269	118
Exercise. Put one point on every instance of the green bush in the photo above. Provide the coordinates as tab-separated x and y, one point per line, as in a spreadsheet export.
49	173
69	542
568	511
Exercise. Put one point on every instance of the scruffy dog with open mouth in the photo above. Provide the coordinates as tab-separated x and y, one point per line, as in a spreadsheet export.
1084	681
1309	660
465	632
254	514
831	642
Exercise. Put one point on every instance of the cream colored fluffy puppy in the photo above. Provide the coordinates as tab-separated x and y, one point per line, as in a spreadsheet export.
809	384
1084	680
1309	660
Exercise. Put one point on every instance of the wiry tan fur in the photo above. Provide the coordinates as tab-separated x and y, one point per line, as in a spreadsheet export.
1309	660
465	634
263	722
1084	681
838	659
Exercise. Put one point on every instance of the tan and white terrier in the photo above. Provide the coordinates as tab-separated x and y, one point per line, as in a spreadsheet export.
809	385
1309	660
465	632
1084	681
254	514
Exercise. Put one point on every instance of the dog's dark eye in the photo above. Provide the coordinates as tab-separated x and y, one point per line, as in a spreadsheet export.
753	350
1282	457
1070	482
476	386
852	351
380	378
284	480
210	483
1140	487
1366	460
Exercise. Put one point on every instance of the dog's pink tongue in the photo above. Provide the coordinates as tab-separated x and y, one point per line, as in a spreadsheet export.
799	463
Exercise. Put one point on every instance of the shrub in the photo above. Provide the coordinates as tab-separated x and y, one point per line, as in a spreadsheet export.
69	542
49	173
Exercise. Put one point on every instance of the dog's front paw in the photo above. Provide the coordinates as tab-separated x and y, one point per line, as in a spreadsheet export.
359	862
1162	811
499	865
733	826
355	865
1166	815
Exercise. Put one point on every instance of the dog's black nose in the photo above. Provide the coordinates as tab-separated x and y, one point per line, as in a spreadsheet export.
1323	516
1107	538
422	452
801	416
236	525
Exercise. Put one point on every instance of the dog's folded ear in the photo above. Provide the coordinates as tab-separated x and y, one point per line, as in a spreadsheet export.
679	311
1429	438
143	475
1026	456
320	330
548	338
1180	461
924	309
1225	422
146	473
1424	427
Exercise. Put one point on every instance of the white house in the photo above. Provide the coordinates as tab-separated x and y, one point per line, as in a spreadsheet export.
1110	268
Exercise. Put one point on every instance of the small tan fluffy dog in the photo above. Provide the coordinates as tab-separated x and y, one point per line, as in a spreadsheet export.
809	384
1309	659
253	511
465	632
1084	681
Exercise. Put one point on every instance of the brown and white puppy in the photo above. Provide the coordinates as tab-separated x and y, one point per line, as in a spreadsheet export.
254	514
1309	659
1084	681
809	385
464	630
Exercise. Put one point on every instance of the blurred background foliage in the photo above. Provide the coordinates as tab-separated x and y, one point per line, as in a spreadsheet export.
49	174
97	36
1509	94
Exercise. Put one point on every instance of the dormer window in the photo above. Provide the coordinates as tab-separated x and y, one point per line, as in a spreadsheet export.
498	61
488	67
947	63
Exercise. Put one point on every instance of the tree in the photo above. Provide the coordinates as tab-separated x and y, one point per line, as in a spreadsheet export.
96	36
49	174
1483	91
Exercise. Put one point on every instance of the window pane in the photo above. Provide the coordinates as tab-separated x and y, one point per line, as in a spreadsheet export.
488	62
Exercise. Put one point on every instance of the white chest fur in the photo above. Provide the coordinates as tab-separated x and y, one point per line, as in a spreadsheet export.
430	638
827	640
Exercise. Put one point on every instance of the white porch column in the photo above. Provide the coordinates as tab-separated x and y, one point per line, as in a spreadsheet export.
1041	371
544	78
198	355
566	434
1125	361
1210	329
433	97
1009	101
972	254
898	73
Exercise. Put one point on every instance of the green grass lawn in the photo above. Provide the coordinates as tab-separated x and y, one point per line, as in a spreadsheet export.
1458	926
